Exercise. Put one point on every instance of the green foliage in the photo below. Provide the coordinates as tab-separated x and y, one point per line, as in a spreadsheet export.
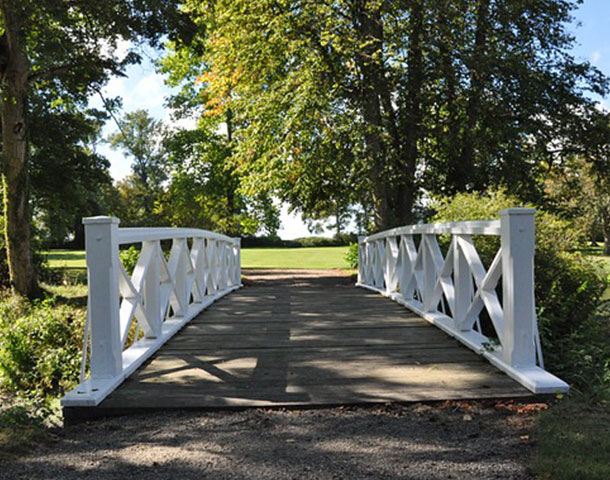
568	286
351	256
141	138
40	346
343	103
61	142
129	258
321	241
204	190
267	241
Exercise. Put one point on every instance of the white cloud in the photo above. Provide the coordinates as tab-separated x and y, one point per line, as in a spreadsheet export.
602	106
188	123
292	225
114	88
595	57
120	166
119	51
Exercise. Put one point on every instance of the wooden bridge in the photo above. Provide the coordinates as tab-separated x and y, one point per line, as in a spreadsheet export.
164	337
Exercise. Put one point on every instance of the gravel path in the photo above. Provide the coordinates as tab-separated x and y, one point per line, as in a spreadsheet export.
451	441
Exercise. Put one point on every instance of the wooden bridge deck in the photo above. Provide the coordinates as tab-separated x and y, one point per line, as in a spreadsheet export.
302	339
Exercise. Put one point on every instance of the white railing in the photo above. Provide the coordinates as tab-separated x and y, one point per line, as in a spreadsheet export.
451	291
130	316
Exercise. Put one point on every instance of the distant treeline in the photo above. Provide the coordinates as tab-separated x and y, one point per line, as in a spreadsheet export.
263	241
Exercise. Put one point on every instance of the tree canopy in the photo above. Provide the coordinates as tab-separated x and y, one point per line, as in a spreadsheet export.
62	52
387	100
351	109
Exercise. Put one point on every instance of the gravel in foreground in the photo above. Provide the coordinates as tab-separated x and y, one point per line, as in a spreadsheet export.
456	440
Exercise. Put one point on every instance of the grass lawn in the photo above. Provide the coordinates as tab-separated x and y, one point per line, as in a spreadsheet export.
573	442
65	258
301	258
307	257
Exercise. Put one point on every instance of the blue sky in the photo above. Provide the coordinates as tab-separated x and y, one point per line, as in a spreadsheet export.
144	88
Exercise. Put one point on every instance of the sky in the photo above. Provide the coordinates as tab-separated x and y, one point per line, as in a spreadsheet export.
144	88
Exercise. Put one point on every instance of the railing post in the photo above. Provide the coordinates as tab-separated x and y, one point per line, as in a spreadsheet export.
517	237
361	259
462	279
237	276
391	265
152	291
429	272
102	250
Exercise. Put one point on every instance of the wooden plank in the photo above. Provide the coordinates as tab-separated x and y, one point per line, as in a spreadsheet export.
297	332
306	341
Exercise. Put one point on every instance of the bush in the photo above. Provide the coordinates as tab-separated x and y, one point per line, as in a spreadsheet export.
568	286
351	256
129	258
40	346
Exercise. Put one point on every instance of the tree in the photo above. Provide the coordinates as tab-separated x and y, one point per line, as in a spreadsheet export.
71	47
445	96
68	177
206	187
141	138
202	191
579	188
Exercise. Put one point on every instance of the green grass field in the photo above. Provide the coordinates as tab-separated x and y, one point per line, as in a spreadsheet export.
323	258
65	258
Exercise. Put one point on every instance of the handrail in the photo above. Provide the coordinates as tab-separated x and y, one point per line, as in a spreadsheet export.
130	316
137	234
477	227
451	290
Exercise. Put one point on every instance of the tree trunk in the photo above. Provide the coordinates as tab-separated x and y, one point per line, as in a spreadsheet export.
411	126
14	85
461	174
605	218
368	25
451	139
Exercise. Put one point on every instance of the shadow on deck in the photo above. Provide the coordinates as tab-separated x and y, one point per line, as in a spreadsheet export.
304	339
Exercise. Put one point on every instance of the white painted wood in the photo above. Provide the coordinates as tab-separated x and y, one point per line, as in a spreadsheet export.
429	282
519	349
429	271
361	259
478	227
101	242
152	293
463	286
189	281
138	235
391	260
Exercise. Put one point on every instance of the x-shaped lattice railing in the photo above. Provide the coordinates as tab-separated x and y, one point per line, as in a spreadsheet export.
157	299
453	289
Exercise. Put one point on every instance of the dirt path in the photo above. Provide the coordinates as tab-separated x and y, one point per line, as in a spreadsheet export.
453	441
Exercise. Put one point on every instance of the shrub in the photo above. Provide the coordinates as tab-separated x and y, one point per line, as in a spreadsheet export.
568	286
40	346
318	242
129	258
351	256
